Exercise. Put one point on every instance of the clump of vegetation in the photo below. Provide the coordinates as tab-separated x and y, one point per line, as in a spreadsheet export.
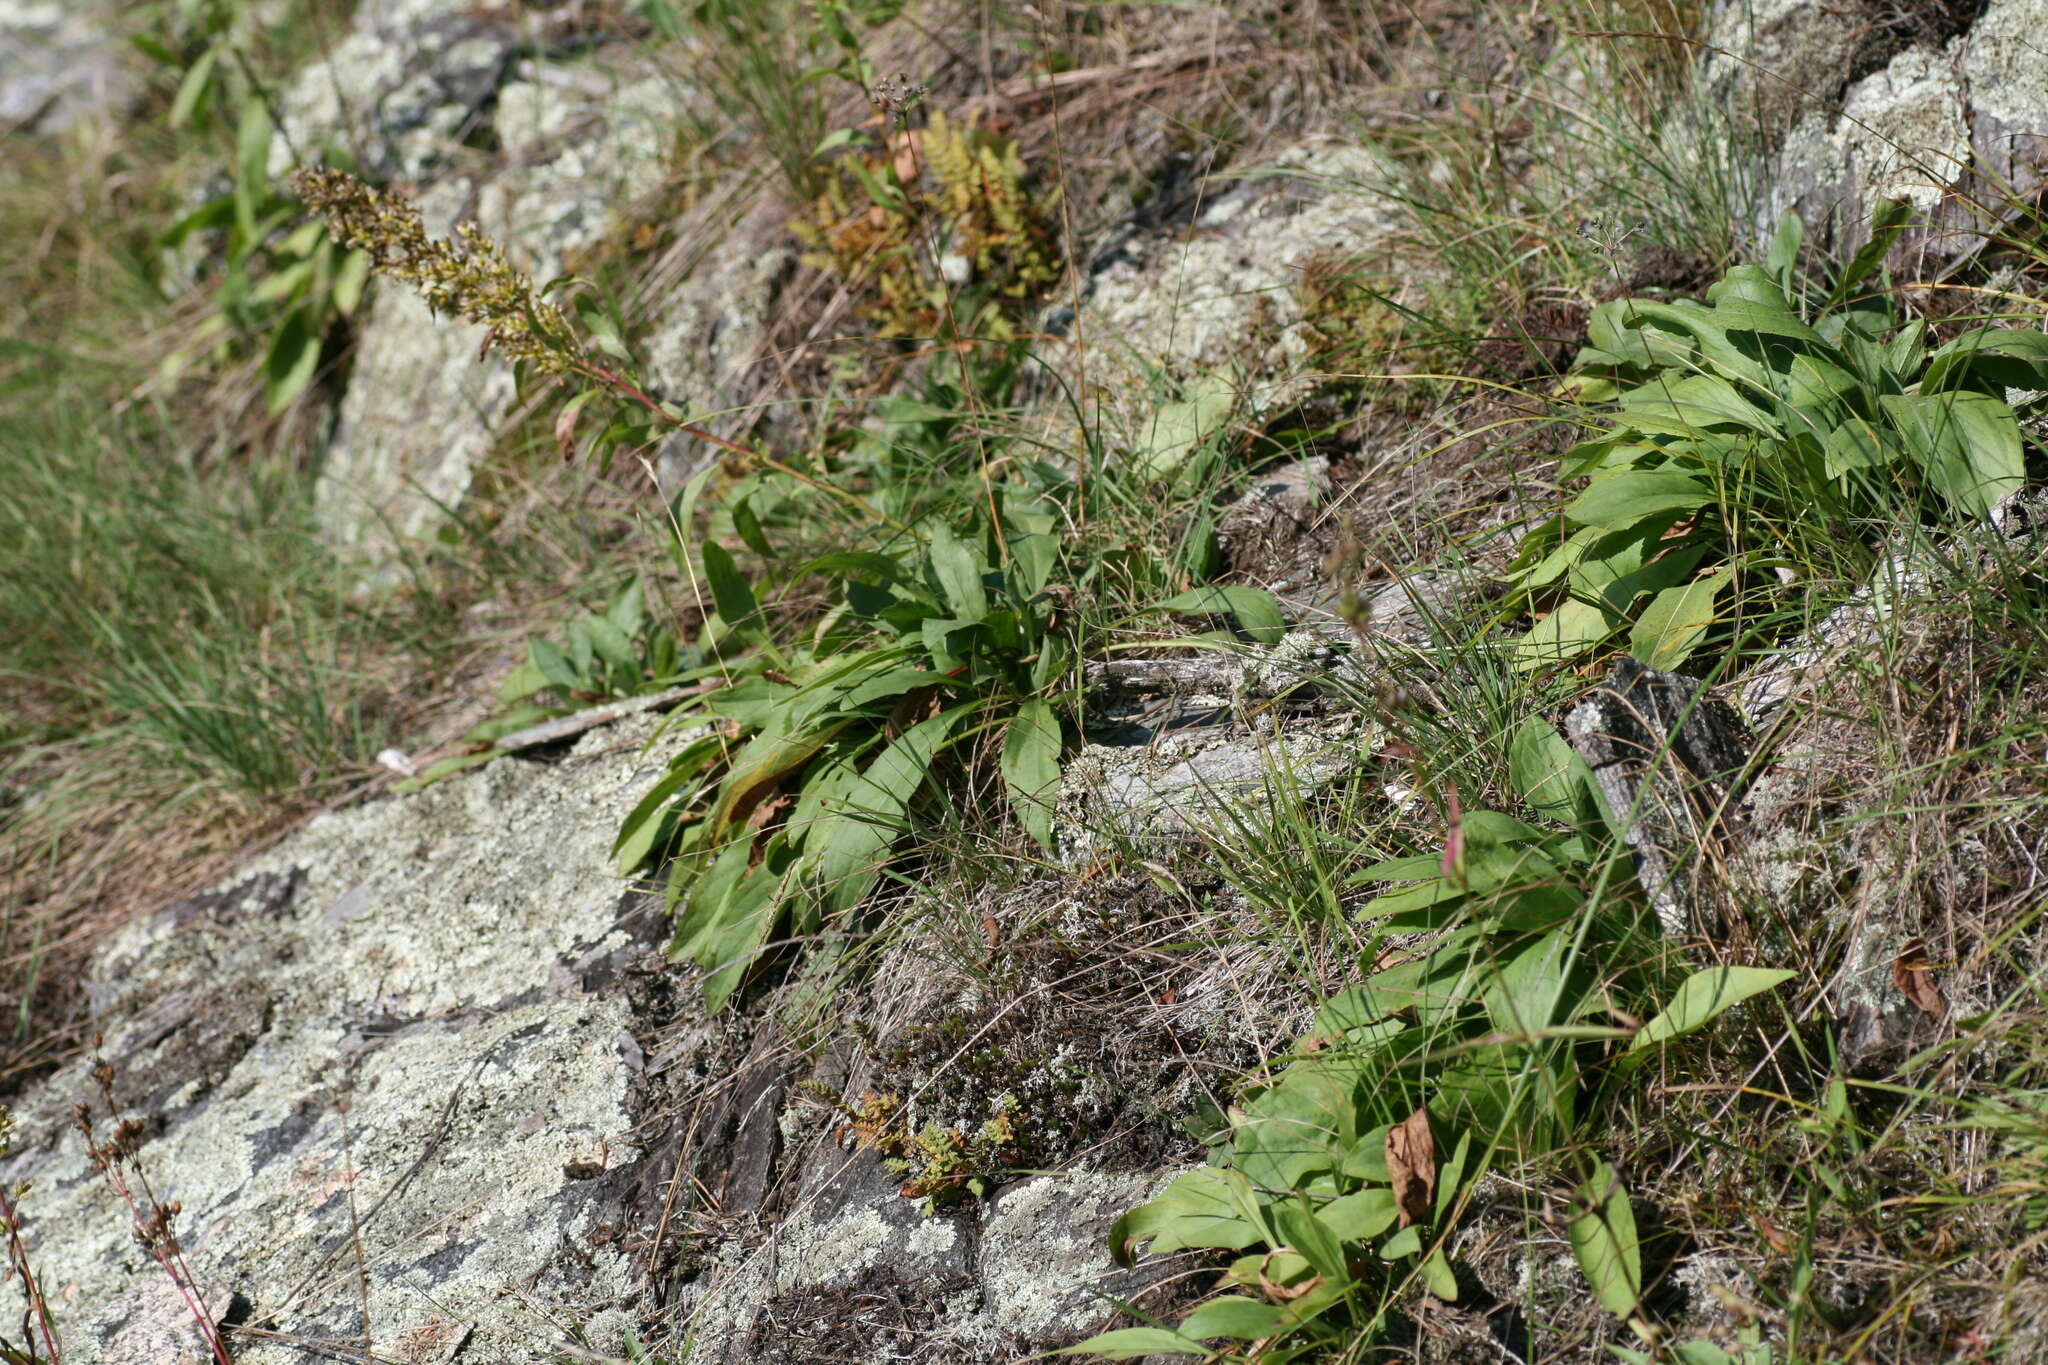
940	230
1742	426
941	1164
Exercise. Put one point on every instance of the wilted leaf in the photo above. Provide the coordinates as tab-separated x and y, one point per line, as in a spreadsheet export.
1179	428
1914	977
565	424
1411	1166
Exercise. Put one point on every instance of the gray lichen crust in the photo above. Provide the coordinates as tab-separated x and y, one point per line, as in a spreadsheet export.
373	1054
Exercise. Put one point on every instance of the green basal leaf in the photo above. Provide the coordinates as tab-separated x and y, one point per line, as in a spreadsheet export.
1885	221
1031	767
957	569
1967	444
1813	382
628	607
1133	1343
555	666
872	817
1781	258
349	281
1525	996
1614	500
293	360
1548	774
523	681
1256	610
615	648
1179	429
1703	997
1553	566
1671	627
1683	406
1200	1208
1239	1319
1362	1216
1310	1238
637	832
1575	628
1605	1242
1853	445
730	592
740	924
193	87
252	166
1438	1278
746	523
1989	358
1406	1242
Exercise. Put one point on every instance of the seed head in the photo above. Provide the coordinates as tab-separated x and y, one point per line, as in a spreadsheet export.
468	275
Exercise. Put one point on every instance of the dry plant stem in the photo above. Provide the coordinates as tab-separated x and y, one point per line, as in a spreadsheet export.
154	1232
626	389
17	1256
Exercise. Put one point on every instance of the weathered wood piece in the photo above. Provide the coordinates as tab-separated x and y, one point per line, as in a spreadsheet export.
1669	760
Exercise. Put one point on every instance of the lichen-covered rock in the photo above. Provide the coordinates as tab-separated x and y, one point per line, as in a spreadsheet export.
706	346
421	413
1026	1271
1900	132
1212	777
582	141
382	1076
410	82
1775	61
1948	110
1224	296
61	61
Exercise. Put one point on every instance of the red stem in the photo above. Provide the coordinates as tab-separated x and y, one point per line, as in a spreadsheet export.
19	1255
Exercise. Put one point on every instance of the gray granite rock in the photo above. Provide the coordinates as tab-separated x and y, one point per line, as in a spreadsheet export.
1957	126
386	1051
62	61
421	412
1223	296
402	90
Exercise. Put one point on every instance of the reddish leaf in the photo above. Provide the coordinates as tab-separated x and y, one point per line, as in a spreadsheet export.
1914	976
1411	1167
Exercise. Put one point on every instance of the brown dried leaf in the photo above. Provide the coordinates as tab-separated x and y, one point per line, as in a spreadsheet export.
1411	1166
1279	1292
1914	976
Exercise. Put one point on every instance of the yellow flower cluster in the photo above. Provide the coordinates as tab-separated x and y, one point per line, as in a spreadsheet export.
468	276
